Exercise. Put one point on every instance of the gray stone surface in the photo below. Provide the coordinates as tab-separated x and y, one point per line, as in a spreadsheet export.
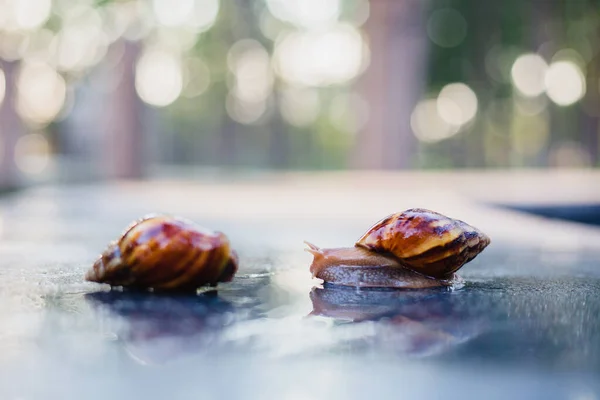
525	325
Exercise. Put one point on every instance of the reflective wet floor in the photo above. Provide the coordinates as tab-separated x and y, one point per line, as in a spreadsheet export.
525	324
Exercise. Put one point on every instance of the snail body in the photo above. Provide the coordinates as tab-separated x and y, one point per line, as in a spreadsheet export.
357	266
414	249
166	253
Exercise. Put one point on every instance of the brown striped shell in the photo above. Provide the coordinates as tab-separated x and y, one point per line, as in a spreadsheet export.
166	253
425	241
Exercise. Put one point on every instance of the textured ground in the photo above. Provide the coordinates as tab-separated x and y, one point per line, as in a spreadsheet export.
525	325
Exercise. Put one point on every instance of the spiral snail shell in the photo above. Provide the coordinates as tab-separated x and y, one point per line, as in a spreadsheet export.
166	253
417	248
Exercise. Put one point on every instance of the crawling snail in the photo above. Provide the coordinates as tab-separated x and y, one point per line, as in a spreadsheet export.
414	249
166	253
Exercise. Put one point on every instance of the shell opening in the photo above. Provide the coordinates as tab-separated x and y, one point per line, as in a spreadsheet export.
92	274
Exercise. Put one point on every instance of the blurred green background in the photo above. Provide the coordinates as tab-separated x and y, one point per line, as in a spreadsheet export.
137	88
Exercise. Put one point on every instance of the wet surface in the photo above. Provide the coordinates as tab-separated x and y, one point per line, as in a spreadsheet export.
583	213
526	323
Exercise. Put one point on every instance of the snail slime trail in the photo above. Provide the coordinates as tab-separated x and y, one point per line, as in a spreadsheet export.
414	249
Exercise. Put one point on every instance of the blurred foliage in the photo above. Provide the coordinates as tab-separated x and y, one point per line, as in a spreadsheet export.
497	33
277	83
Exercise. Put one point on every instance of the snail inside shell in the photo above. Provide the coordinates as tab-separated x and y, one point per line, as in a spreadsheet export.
166	253
414	249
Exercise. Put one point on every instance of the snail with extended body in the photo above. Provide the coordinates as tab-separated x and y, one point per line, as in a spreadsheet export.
414	249
166	253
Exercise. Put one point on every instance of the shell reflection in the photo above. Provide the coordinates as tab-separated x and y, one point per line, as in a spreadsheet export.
156	329
414	323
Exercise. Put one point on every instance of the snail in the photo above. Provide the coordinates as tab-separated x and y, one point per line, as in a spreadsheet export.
414	249
166	253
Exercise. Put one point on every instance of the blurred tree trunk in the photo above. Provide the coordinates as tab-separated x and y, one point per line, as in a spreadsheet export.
10	126
393	83
278	151
483	17
542	14
125	145
227	146
590	112
226	151
279	141
590	109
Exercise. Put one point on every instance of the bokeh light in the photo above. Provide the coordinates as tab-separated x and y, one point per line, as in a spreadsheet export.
172	13
360	12
117	17
203	15
30	14
447	27
244	112
270	26
528	74
39	45
159	78
196	77
332	56
68	106
305	13
198	15
349	112
531	105
299	106
81	42
457	104
32	153
251	65
499	61
133	20
179	40
12	45
41	92
427	125
24	14
565	83
569	154
569	54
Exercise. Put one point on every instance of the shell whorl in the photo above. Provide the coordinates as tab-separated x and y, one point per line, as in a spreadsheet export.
425	241
166	253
